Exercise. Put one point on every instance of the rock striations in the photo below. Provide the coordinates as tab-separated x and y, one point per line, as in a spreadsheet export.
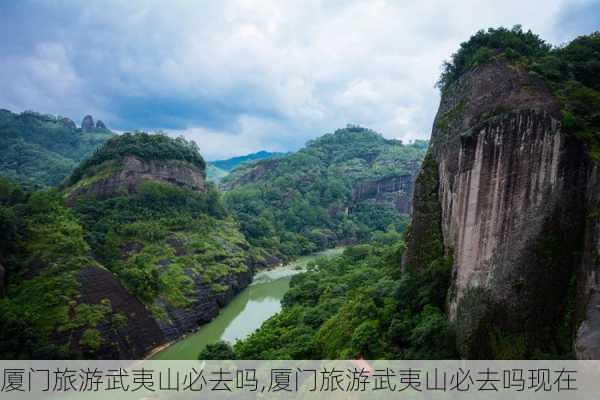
509	198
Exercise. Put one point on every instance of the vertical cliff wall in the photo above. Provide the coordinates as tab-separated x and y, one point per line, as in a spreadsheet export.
508	200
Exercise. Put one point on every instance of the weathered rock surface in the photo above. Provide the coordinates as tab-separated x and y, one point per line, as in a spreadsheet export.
100	125
396	190
587	342
511	193
87	123
133	171
205	306
138	335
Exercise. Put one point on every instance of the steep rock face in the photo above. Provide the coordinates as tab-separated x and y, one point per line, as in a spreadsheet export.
204	308
137	334
395	190
132	171
587	342
87	123
511	209
100	125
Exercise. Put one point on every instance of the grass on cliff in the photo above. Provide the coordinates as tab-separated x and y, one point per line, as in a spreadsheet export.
143	146
43	250
159	240
572	72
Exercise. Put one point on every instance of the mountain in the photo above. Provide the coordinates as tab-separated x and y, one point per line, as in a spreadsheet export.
133	250
231	163
509	193
219	169
39	150
340	188
501	256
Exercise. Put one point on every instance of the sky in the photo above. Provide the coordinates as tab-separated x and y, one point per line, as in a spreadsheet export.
241	76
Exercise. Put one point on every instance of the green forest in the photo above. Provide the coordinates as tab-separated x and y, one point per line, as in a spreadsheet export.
304	202
178	246
39	151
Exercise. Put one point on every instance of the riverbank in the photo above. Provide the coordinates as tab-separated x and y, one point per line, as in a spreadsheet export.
245	312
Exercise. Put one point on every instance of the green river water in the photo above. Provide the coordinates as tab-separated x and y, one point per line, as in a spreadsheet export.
245	313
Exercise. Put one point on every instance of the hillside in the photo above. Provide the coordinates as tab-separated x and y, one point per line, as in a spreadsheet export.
135	249
218	169
39	150
500	257
340	188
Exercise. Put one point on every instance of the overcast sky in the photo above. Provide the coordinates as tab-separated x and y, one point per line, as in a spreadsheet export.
241	76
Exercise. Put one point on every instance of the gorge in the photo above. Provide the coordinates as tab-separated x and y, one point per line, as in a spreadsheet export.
483	243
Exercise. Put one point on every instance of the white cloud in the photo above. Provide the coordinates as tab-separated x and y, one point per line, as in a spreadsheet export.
242	75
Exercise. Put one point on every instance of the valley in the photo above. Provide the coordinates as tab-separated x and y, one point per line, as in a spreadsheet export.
481	243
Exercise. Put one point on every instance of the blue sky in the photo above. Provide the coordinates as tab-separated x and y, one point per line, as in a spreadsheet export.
241	76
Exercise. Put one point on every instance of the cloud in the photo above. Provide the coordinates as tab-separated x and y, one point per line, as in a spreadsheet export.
239	75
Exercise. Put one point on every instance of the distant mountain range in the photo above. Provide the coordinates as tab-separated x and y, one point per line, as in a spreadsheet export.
219	169
40	150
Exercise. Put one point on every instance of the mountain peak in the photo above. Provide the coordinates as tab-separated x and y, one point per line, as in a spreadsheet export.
87	123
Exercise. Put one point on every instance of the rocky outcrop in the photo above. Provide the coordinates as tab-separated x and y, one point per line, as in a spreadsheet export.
87	123
204	307
125	177
510	189
130	339
587	341
395	190
100	125
68	122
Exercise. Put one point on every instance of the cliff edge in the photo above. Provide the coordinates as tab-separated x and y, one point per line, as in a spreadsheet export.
506	192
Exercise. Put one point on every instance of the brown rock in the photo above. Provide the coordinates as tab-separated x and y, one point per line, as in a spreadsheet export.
133	171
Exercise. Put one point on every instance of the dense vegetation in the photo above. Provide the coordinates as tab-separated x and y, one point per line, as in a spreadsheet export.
357	305
41	150
43	249
571	71
155	241
303	202
143	146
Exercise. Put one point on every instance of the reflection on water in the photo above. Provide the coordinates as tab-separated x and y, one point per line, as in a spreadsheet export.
245	313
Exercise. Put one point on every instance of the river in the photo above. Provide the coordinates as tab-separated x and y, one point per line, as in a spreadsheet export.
245	313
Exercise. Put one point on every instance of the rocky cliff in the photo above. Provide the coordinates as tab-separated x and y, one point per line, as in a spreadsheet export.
503	192
134	250
394	190
125	175
176	258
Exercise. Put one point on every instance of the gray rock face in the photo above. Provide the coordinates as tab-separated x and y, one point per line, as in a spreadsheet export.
512	206
587	341
100	125
134	171
395	190
87	123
